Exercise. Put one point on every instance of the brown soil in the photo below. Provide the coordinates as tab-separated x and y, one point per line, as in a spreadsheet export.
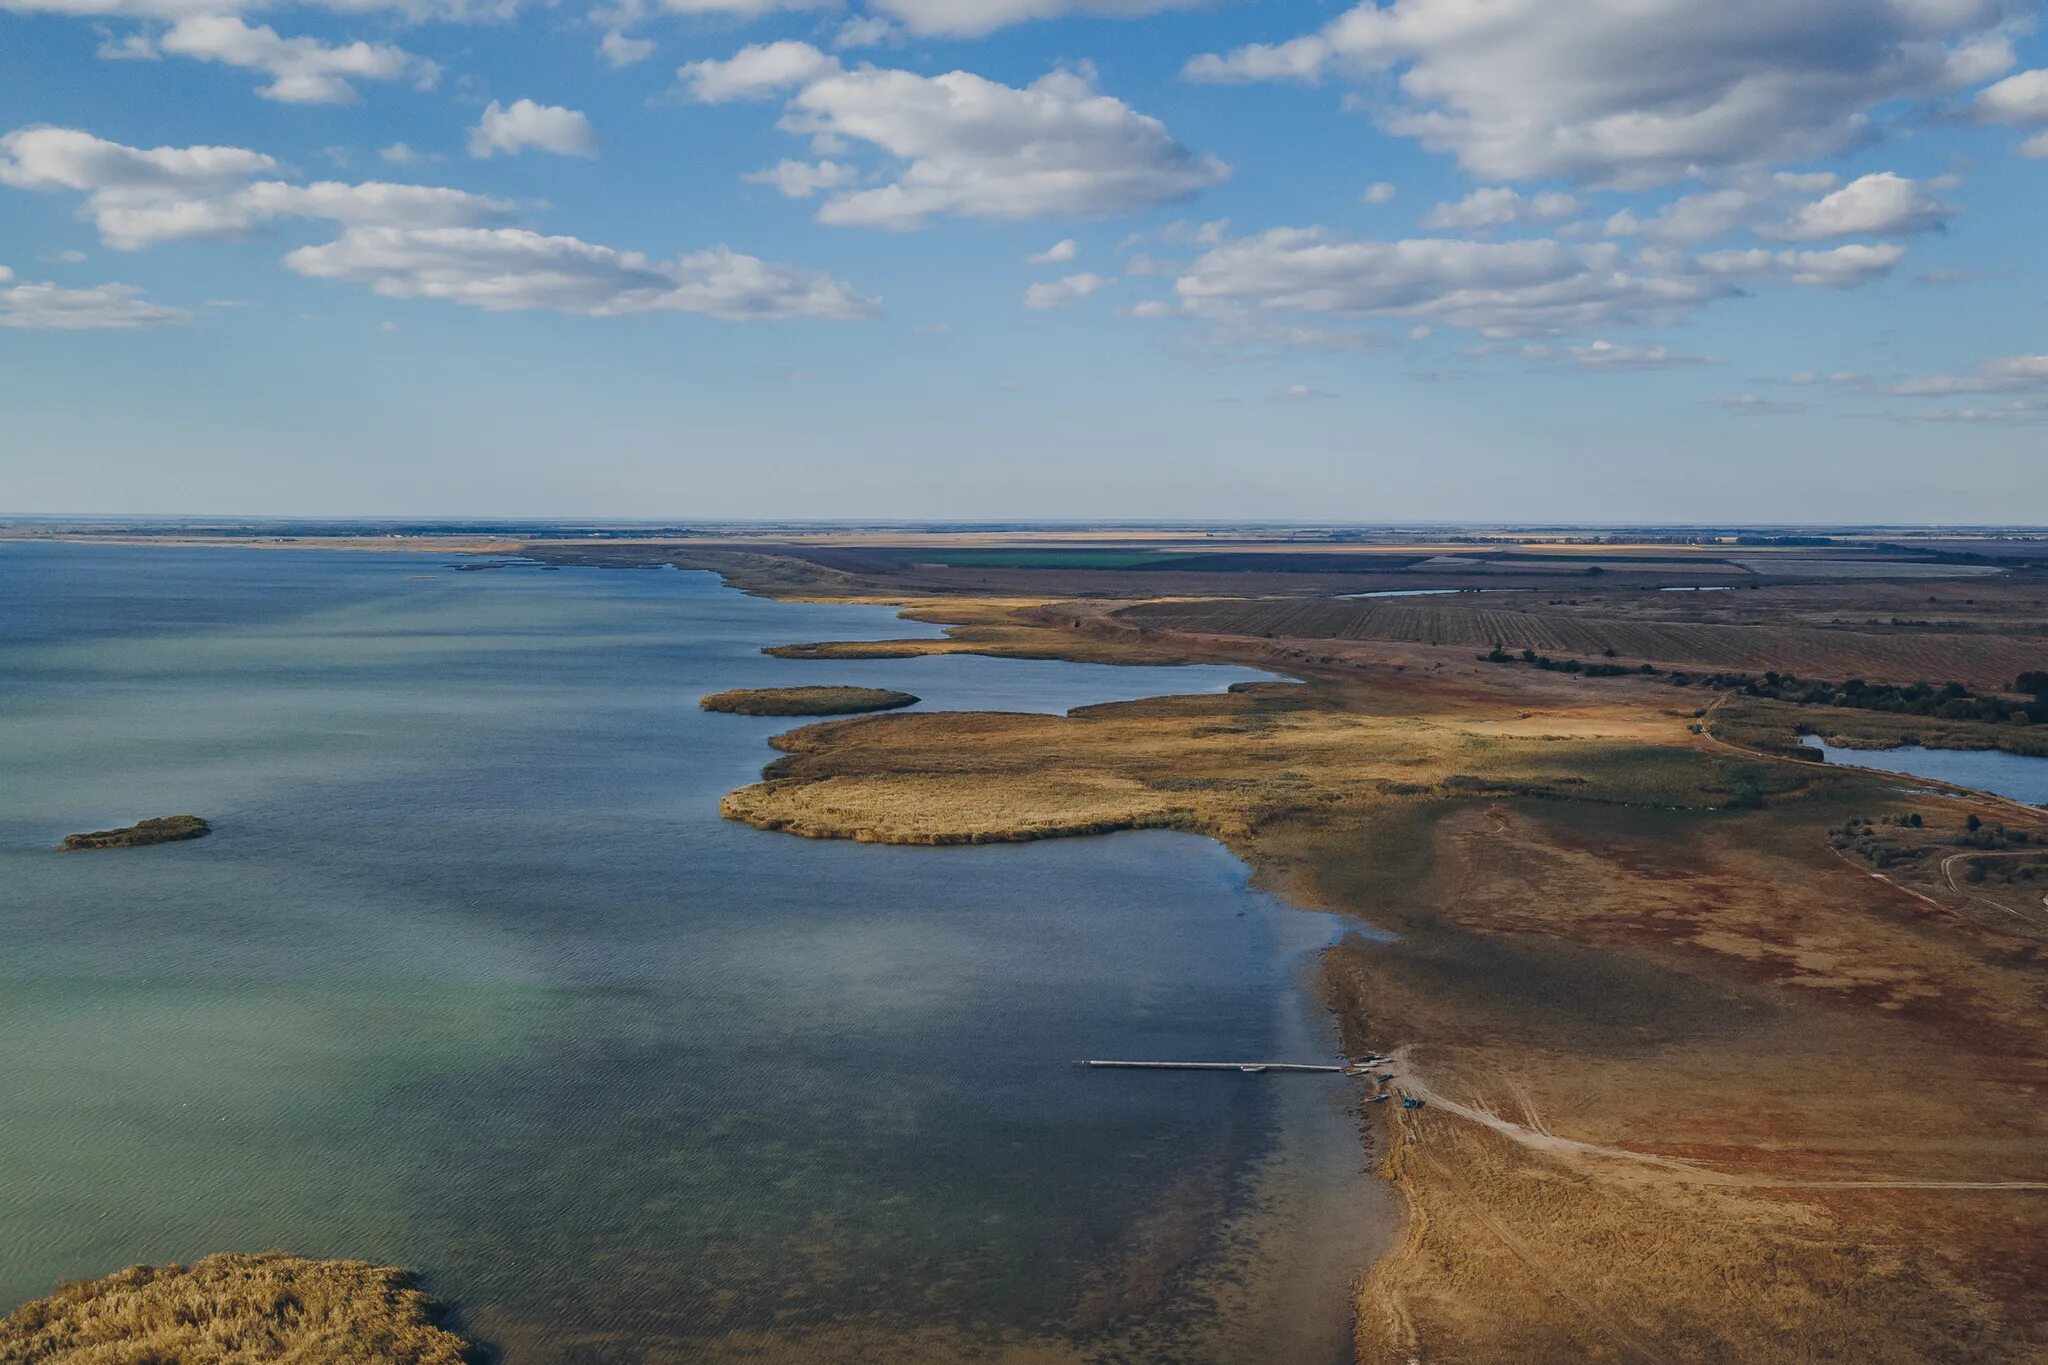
1633	630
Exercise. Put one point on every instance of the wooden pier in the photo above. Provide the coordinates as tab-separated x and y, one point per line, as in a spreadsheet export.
1249	1068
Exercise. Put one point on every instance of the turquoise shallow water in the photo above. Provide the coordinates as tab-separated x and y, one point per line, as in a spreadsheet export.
471	977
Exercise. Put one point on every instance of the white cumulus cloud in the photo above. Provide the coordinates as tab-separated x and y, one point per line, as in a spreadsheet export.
755	72
176	10
2005	374
1750	405
522	124
49	158
867	30
1059	253
1062	292
1498	206
1780	207
2021	98
301	70
620	51
137	196
802	179
948	18
1881	205
1841	267
1609	357
973	18
970	147
1640	92
53	308
1500	288
509	269
403	241
745	9
1693	218
2018	412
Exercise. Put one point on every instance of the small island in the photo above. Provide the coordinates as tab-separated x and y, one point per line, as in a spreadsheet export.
806	701
165	829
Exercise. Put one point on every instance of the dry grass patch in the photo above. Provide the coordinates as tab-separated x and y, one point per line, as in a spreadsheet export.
1509	1258
1717	988
233	1309
1014	628
1218	764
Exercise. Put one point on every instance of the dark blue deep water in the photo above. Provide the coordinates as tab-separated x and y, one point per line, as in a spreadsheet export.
472	978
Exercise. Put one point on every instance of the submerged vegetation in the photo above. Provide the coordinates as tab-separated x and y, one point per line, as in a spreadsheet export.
233	1309
164	829
806	701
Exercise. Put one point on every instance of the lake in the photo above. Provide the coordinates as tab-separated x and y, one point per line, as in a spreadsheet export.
2019	777
471	977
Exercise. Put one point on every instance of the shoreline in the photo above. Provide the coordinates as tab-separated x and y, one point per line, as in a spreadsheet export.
1331	1129
881	777
1216	1263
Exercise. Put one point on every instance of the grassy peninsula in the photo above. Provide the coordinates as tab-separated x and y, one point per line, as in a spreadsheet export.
164	829
1638	985
1725	1054
806	701
234	1309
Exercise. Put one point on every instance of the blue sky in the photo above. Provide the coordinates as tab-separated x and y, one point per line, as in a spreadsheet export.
1427	259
